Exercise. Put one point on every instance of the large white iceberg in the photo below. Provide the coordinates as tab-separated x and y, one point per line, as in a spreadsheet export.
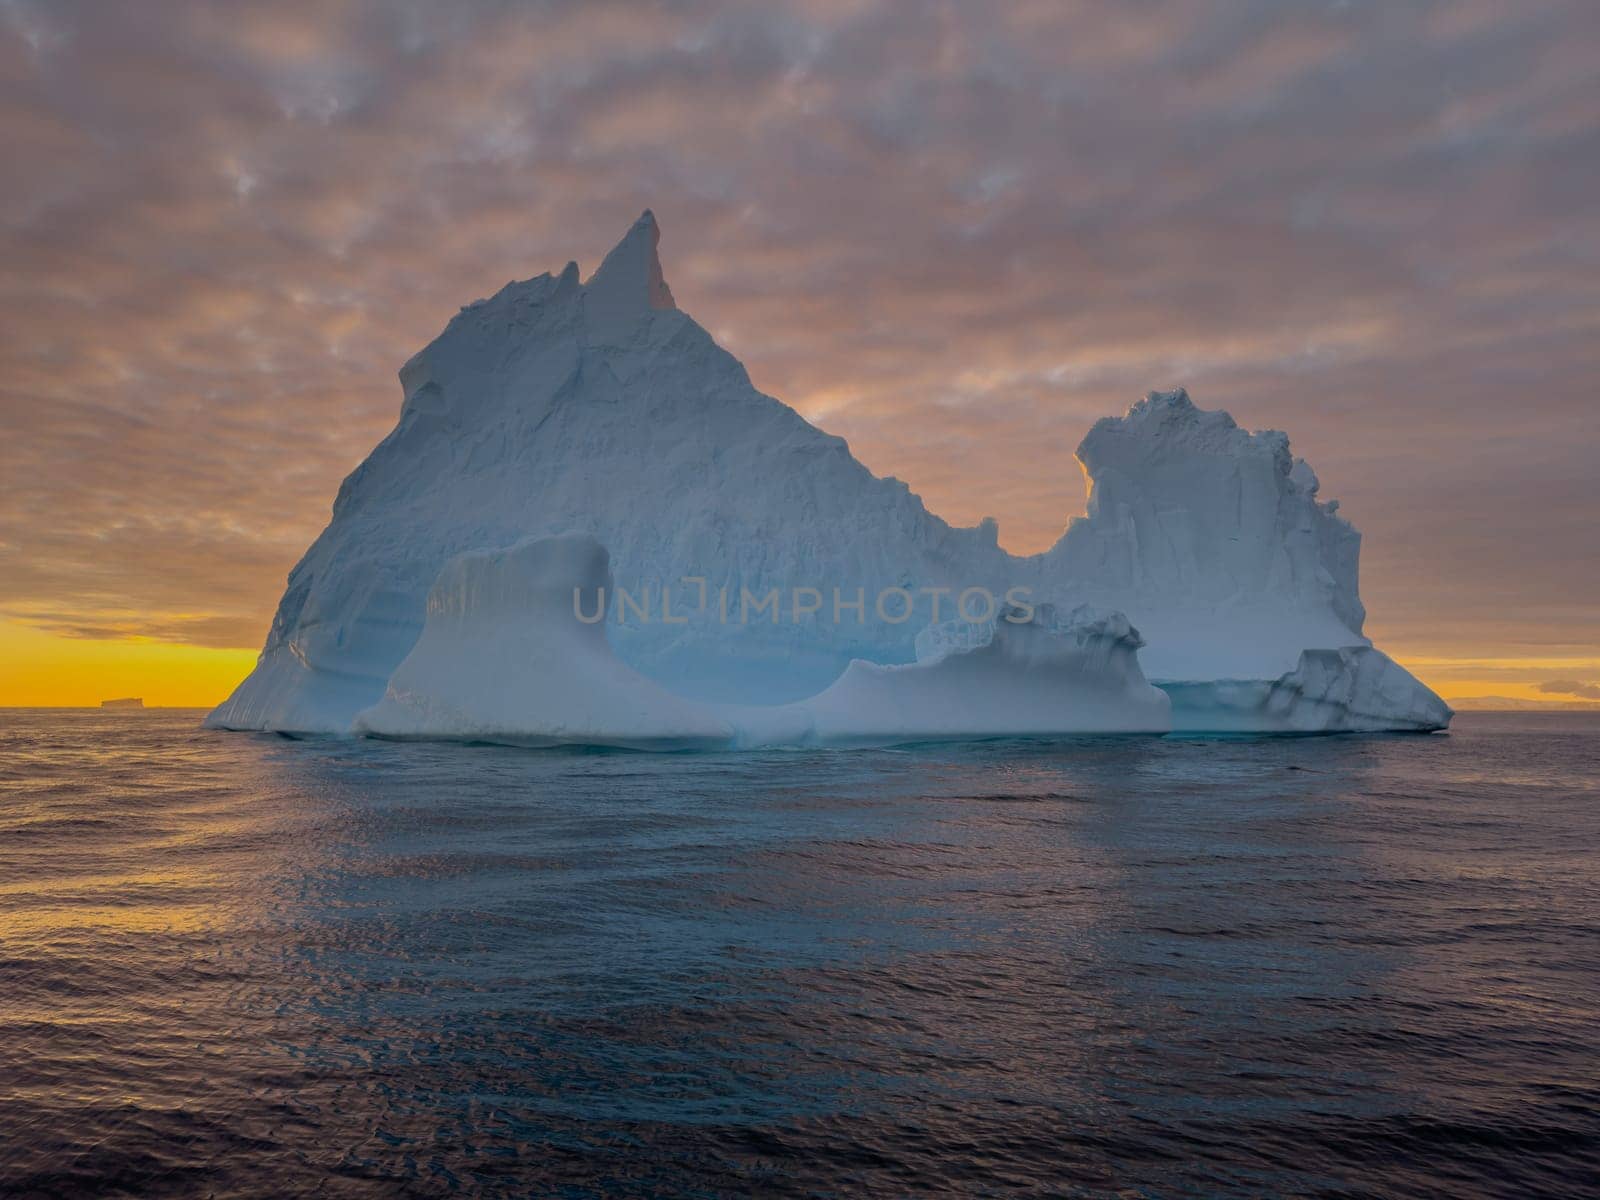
751	555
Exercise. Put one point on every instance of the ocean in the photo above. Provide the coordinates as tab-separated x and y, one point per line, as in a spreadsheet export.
237	965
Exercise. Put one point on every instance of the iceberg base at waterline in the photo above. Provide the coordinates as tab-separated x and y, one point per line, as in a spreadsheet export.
505	656
1354	689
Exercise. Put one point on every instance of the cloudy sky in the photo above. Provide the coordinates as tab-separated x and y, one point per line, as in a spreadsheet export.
953	233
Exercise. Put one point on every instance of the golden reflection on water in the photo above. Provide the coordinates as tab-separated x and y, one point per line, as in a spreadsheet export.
131	842
245	965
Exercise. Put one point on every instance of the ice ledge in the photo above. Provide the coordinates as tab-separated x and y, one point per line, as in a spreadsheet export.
1353	689
505	656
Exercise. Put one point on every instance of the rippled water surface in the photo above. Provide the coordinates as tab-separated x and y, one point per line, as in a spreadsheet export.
237	965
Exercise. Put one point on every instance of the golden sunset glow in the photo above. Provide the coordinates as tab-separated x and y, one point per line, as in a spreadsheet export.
41	670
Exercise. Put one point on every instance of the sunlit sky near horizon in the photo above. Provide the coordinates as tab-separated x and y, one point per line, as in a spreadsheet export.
954	234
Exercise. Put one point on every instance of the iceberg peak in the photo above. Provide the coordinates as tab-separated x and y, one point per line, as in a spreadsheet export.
1177	398
631	274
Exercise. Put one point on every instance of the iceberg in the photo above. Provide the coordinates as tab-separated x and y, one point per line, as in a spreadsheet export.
734	577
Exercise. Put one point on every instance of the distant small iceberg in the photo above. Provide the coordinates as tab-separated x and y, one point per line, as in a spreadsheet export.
125	702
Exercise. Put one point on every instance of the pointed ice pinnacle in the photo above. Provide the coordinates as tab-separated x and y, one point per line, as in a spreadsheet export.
631	274
567	282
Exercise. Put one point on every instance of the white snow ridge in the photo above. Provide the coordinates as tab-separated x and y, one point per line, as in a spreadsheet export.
589	528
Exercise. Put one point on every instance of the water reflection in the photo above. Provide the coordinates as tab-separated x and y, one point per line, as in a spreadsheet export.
261	966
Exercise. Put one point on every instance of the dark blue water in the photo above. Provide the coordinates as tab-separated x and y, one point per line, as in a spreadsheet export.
249	966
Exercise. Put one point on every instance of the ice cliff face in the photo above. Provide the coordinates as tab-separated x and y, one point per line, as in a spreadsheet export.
735	529
504	656
1212	540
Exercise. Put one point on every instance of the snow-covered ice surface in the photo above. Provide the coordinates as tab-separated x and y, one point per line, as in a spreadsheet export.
507	655
1244	585
560	407
1043	676
1213	542
504	657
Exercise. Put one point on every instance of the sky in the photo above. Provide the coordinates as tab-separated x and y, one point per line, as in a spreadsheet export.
953	233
